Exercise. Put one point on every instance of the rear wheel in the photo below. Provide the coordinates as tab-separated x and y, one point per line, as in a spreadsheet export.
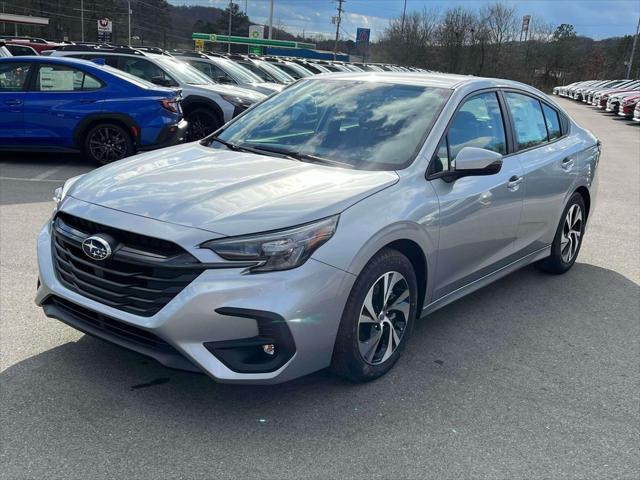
107	142
377	319
568	240
201	123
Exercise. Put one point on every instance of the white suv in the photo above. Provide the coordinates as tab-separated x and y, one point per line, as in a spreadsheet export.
206	105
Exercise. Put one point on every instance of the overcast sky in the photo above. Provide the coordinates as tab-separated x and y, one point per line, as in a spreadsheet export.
593	18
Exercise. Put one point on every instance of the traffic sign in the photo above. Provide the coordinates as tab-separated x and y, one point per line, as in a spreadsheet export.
363	35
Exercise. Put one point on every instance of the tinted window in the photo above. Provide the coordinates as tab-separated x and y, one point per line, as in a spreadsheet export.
528	120
478	124
110	60
365	124
139	67
552	121
212	71
17	50
13	76
60	78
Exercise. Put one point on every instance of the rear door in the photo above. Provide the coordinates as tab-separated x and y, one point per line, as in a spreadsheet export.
14	78
59	98
548	158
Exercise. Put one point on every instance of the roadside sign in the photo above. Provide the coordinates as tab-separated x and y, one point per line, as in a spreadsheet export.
362	36
256	31
199	44
105	30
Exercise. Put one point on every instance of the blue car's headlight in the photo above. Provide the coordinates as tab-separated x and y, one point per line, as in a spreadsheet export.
279	250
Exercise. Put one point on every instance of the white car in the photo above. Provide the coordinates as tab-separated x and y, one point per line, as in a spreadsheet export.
206	105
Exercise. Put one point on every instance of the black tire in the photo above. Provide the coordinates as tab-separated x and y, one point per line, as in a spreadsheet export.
556	263
347	360
107	142
201	122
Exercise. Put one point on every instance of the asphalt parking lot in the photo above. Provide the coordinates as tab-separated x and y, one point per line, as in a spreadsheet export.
535	376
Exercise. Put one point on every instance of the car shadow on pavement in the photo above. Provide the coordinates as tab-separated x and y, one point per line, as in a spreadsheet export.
528	340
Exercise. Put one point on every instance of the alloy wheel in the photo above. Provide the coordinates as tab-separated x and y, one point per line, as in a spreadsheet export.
571	233
108	144
200	125
383	318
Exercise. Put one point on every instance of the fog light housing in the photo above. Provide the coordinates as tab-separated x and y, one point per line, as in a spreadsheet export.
269	349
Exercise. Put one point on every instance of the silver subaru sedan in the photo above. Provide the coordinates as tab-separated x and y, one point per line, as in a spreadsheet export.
316	228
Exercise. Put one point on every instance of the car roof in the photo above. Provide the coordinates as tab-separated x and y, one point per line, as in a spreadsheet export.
60	60
431	79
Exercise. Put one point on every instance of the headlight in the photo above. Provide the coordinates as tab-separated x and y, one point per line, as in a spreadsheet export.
61	192
238	101
280	250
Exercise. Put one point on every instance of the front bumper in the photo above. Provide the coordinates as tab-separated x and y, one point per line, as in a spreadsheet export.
211	310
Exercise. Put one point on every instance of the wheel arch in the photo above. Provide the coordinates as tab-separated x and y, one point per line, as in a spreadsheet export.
586	197
416	256
193	102
121	119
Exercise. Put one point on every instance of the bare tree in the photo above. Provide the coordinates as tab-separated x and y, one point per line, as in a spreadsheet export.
454	32
500	21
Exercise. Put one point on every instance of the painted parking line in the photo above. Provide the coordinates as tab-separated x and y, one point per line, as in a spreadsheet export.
51	171
37	180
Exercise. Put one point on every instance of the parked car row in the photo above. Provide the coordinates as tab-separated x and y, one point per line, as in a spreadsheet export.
101	104
621	97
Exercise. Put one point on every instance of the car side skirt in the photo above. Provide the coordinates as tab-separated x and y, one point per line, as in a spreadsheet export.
486	280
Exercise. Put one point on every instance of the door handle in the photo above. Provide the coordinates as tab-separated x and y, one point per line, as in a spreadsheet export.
567	163
87	101
13	101
514	183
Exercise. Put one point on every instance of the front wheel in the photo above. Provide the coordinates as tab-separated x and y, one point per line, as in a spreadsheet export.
377	319
568	239
108	142
201	123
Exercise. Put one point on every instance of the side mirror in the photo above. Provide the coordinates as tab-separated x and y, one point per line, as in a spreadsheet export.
472	161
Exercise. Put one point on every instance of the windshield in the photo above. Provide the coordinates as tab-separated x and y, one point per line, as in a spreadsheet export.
238	72
183	72
276	72
366	124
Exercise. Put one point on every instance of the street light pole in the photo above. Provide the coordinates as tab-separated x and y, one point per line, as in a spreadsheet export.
129	19
230	19
335	44
633	49
270	19
82	20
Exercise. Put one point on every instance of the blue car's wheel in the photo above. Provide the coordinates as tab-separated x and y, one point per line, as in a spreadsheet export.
107	142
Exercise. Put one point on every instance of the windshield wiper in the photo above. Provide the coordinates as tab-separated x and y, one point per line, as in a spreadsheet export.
302	157
230	146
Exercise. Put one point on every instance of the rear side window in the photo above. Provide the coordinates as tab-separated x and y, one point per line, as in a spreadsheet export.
110	60
13	76
60	78
552	121
528	120
142	68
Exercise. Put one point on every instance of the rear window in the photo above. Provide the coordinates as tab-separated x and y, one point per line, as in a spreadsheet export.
552	121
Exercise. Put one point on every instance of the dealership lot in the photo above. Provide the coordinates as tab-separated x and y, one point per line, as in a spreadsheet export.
533	376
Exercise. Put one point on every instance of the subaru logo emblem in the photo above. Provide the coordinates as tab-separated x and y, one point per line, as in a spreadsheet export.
96	248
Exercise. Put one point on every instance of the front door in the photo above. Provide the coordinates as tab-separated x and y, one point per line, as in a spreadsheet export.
13	81
479	215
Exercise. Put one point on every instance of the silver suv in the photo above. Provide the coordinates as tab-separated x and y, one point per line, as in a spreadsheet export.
316	228
206	105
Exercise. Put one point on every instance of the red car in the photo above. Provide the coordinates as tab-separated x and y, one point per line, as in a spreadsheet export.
628	105
38	44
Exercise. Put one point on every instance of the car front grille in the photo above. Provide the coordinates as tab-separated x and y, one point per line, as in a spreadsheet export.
141	277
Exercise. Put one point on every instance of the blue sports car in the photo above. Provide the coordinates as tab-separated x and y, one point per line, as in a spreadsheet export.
66	104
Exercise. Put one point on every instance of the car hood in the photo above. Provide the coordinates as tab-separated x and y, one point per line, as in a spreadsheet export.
226	192
221	89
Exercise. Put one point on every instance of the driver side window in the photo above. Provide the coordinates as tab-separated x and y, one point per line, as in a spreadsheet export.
478	123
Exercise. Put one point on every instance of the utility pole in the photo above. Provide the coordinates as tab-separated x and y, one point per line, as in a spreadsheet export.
339	19
129	19
230	19
270	19
82	20
633	49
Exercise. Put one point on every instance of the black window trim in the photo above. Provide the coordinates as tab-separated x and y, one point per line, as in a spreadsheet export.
33	76
506	122
564	130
